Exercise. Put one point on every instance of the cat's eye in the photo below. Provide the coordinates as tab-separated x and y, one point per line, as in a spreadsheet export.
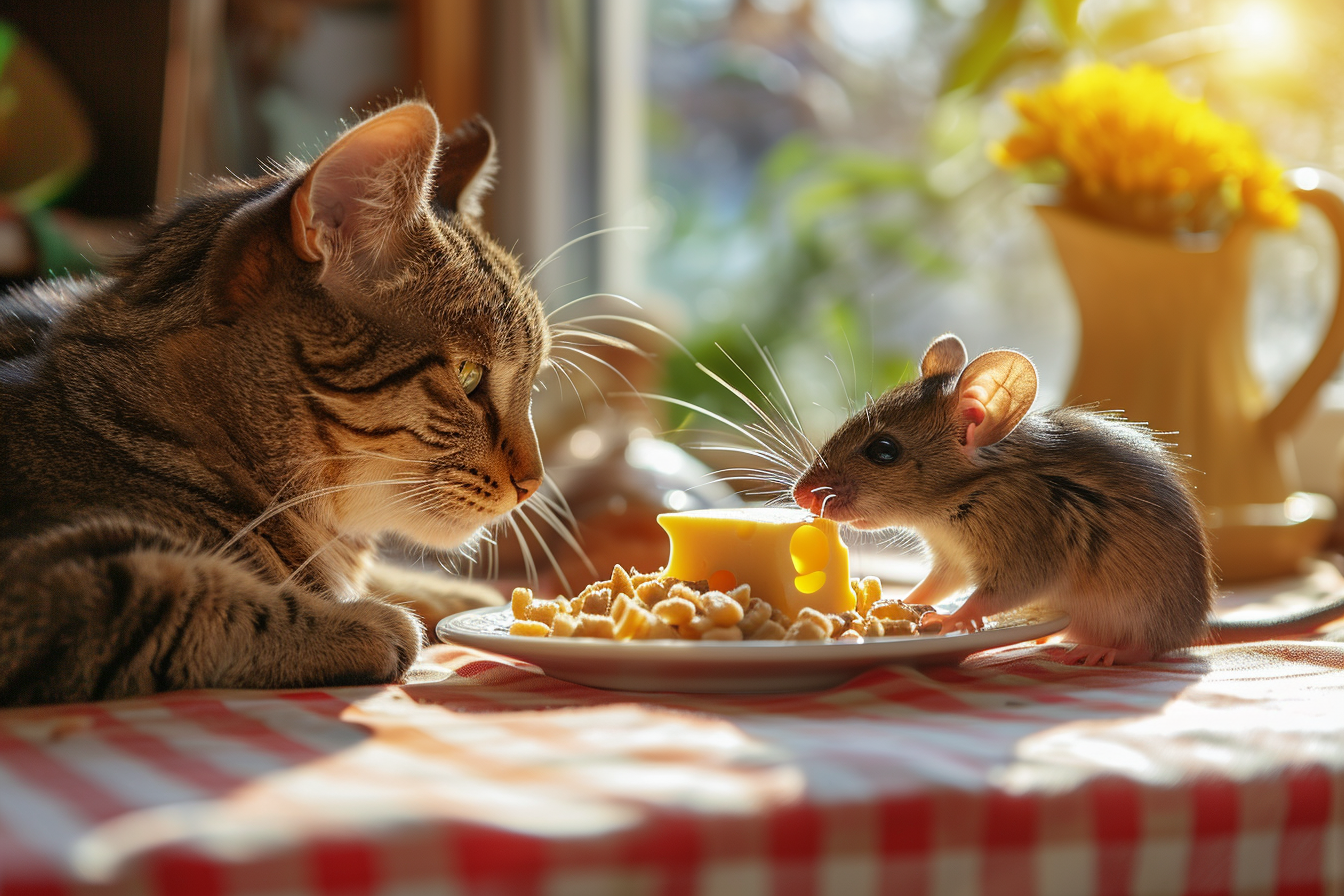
882	451
469	375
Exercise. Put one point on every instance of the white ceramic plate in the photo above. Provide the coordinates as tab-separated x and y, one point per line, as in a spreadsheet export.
751	667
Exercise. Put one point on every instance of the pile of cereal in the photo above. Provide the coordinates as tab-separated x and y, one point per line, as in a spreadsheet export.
644	606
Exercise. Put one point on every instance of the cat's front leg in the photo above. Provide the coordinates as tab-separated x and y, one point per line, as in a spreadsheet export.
428	595
107	611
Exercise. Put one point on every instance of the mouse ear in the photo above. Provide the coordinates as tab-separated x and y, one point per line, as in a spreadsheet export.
994	393
945	355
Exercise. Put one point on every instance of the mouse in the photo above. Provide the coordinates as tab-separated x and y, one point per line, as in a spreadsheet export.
1068	509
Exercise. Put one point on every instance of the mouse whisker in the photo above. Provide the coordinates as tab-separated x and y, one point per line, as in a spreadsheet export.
777	433
784	393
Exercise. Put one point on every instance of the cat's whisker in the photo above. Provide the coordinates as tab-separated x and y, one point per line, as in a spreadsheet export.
539	266
549	516
632	321
561	367
469	553
275	509
492	556
448	565
592	357
529	565
294	574
557	503
383	455
557	289
593	295
545	548
577	368
598	337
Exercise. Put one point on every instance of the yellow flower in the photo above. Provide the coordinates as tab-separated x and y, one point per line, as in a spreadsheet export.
1138	153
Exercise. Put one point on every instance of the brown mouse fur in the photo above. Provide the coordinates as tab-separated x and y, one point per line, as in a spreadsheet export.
1077	511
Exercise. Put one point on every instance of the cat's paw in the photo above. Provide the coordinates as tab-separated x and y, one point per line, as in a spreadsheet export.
379	647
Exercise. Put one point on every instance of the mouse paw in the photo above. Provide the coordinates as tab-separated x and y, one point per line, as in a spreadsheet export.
1087	655
958	621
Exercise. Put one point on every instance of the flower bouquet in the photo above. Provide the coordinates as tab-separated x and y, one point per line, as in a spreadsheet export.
1162	316
1126	148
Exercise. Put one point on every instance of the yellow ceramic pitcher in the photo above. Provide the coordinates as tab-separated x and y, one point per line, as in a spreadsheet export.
1163	339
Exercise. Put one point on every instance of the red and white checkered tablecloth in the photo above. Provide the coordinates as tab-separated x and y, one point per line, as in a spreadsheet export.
1217	772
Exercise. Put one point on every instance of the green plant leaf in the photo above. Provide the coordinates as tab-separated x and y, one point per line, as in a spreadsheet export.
789	158
814	201
1063	14
993	29
874	172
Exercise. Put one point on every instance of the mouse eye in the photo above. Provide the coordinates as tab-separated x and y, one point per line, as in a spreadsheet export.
882	451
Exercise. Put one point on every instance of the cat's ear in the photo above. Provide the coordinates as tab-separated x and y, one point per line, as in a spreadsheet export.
467	167
360	195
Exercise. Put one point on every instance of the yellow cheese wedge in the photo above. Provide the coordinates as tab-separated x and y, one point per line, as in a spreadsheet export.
789	557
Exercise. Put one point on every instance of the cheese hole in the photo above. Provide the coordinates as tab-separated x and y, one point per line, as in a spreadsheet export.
810	550
723	580
810	583
746	529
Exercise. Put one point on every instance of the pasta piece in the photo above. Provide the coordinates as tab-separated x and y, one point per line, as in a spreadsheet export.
635	606
722	609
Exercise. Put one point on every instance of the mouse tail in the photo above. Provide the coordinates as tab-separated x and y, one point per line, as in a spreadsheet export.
1303	622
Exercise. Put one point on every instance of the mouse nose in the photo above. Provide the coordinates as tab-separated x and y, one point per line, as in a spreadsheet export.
806	498
526	488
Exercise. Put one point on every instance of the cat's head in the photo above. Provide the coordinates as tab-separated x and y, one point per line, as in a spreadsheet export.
414	338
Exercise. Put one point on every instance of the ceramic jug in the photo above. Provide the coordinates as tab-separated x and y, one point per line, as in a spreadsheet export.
1163	338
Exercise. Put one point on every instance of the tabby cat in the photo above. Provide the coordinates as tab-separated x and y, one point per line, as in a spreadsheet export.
198	452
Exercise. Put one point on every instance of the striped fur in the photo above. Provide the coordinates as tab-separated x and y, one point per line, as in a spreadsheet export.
200	450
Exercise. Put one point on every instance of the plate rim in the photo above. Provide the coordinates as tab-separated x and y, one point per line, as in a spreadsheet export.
721	651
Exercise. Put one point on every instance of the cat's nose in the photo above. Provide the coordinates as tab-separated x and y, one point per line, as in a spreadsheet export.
526	488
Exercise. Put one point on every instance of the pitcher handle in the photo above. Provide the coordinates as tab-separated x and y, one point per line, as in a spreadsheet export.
1326	192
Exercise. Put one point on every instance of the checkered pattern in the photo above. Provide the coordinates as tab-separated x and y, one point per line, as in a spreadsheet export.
1217	772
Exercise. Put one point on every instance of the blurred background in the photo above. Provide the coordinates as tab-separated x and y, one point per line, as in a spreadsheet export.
796	184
